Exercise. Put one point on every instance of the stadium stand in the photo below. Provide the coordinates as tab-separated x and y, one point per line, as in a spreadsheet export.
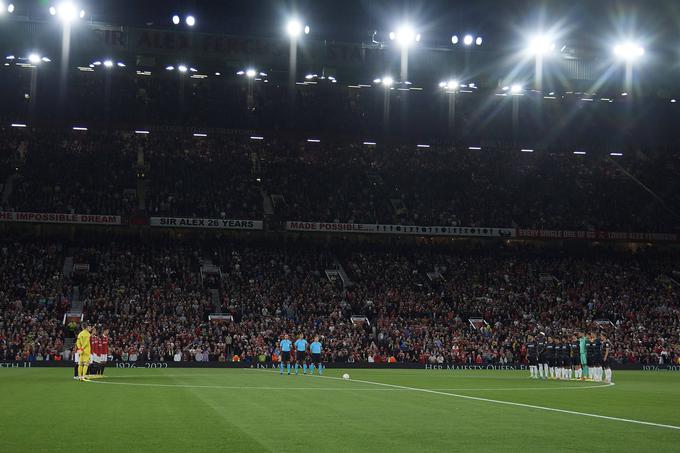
156	297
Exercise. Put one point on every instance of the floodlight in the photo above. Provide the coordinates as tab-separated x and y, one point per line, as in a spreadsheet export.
454	39
67	11
540	45
120	64
307	29
467	40
452	84
108	63
250	73
478	41
387	81
191	21
405	36
629	51
169	68
34	58
53	11
182	68
82	14
516	88
295	28
175	19
45	59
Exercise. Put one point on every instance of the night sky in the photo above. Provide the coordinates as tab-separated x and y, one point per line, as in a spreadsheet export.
585	23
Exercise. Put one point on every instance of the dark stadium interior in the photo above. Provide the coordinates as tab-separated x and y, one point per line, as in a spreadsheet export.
356	226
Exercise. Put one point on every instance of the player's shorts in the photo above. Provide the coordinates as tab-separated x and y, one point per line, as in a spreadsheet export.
76	357
316	359
533	361
84	358
576	361
103	358
607	363
597	361
300	356
95	358
285	356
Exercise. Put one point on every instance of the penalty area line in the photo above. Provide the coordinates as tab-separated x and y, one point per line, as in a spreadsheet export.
510	403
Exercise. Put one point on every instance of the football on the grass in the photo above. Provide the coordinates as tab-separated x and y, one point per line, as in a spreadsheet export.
345	376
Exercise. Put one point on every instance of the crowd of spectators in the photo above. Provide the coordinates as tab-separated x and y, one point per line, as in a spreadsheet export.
179	174
156	296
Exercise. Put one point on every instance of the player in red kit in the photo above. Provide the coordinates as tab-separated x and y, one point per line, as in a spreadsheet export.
94	347
103	350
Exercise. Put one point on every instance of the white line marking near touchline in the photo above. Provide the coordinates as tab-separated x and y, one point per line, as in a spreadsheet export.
510	403
337	389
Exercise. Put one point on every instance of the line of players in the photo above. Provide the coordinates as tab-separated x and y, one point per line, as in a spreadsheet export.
567	358
301	346
91	354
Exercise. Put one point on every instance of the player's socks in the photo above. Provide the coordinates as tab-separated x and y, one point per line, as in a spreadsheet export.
321	367
288	366
296	367
311	369
281	367
552	372
540	371
608	375
304	368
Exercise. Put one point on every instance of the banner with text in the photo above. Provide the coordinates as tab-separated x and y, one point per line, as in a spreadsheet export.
51	217
595	235
373	228
189	222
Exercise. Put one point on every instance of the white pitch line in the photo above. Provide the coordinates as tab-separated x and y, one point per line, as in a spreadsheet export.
508	389
246	387
510	403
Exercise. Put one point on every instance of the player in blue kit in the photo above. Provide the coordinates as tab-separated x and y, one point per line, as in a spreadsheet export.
285	346
315	349
300	353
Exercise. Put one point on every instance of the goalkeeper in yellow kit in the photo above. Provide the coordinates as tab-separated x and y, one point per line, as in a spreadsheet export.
83	348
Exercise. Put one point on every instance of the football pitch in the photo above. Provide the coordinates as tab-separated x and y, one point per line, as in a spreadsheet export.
197	410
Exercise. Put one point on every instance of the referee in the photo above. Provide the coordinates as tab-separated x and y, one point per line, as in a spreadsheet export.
315	349
300	353
285	346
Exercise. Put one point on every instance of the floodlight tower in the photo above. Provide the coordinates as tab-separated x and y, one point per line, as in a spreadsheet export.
67	13
630	52
295	31
406	37
540	47
451	88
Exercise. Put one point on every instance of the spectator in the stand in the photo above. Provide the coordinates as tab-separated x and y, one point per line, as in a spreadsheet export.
153	298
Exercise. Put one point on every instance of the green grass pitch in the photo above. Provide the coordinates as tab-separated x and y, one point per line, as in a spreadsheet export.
200	410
